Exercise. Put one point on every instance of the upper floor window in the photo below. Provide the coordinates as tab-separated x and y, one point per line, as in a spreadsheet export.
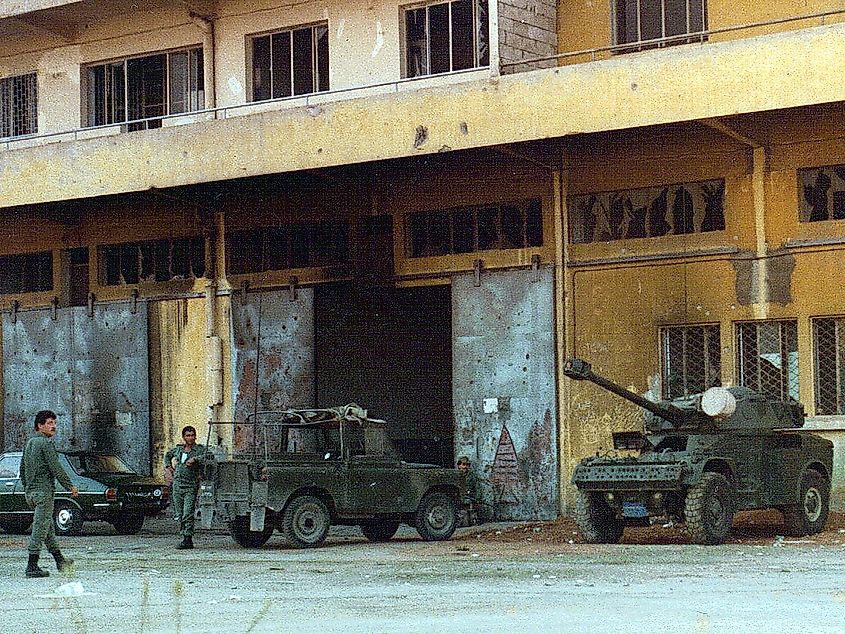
829	359
691	359
18	106
290	247
767	357
639	20
822	193
446	36
291	62
648	213
154	261
512	225
146	87
26	273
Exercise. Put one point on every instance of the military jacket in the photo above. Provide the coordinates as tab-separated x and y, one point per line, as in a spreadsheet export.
40	466
184	474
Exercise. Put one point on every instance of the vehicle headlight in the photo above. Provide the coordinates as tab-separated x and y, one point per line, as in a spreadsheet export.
157	493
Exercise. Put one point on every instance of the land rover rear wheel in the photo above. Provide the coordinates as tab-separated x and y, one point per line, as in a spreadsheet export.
306	522
810	514
709	509
380	530
239	528
596	520
437	517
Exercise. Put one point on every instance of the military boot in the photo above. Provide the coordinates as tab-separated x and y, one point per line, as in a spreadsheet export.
63	564
186	544
32	569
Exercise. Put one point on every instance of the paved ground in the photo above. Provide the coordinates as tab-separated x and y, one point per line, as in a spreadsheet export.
499	578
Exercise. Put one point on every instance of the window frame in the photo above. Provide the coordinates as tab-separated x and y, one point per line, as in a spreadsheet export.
198	61
785	388
659	42
710	332
315	60
404	10
29	110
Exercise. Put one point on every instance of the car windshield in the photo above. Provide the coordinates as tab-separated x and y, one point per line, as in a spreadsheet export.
102	464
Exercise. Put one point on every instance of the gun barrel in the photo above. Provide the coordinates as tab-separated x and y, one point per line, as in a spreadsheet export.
581	370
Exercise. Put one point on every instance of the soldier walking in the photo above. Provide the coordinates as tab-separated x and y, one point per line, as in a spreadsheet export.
186	461
40	469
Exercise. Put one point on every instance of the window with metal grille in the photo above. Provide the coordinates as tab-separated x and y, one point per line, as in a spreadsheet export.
446	36
290	62
822	193
289	247
767	357
26	273
154	261
18	106
647	213
691	359
511	225
829	359
641	20
139	88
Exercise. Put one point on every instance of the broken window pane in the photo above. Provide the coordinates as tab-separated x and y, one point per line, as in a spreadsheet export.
483	34
767	357
822	192
159	260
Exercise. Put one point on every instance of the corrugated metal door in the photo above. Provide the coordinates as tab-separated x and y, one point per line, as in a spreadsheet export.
504	389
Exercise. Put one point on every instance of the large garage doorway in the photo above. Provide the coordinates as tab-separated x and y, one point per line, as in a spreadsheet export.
390	351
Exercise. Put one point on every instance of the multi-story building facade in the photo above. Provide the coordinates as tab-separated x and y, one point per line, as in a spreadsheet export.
209	208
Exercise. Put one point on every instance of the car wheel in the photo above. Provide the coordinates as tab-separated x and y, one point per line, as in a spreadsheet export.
239	528
709	509
596	520
437	517
380	530
128	524
16	526
306	522
67	519
810	514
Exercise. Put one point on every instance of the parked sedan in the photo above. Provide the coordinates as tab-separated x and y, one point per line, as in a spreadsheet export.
108	491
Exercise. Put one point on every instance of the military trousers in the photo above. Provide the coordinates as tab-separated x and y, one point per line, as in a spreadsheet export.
43	529
185	506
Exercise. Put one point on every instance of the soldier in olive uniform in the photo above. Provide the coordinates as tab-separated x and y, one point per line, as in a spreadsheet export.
40	469
186	461
471	498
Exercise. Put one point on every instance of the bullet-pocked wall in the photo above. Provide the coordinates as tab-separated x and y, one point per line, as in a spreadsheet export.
640	280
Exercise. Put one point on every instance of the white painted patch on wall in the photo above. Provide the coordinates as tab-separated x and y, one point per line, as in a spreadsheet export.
491	405
235	86
341	26
379	39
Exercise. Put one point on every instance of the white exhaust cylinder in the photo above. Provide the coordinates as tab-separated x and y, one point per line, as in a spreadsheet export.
718	402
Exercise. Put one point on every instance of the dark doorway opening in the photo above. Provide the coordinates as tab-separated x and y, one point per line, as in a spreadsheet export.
390	351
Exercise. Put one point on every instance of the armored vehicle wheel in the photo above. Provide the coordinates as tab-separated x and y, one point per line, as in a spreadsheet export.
380	530
67	519
437	517
596	520
128	524
810	514
239	528
306	522
709	509
16	526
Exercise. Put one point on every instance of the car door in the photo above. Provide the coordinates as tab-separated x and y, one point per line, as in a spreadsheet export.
11	488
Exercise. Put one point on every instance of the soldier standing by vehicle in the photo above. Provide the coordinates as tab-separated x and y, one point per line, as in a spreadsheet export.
40	469
186	461
471	497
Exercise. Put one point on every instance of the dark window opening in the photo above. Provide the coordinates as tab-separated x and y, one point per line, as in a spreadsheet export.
292	62
154	261
144	89
18	105
822	193
446	36
78	276
512	225
27	273
293	247
641	20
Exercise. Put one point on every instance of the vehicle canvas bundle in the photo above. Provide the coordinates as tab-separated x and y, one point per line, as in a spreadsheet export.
702	458
300	471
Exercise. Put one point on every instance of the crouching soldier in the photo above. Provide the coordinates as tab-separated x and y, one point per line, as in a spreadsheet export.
186	462
40	469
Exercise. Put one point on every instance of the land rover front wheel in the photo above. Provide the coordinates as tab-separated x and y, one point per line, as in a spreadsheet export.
596	520
380	530
306	522
709	509
239	528
437	517
810	514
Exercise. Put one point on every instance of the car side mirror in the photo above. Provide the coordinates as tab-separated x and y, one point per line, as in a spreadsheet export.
328	455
